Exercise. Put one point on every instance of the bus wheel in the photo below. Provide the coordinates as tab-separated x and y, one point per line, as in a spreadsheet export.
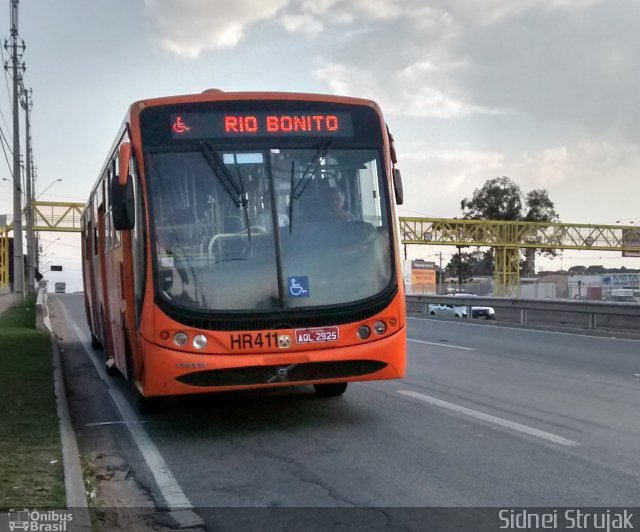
144	405
330	390
95	343
110	367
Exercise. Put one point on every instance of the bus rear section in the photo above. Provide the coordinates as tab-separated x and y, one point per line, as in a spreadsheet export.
267	252
60	288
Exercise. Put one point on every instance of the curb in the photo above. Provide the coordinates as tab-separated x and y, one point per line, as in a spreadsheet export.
75	491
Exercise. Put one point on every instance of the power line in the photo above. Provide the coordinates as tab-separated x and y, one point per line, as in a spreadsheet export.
5	146
67	197
6	79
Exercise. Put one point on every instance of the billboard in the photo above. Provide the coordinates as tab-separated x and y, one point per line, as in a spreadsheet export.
423	276
621	280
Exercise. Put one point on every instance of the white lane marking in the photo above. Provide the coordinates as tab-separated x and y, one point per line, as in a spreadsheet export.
166	482
490	419
101	423
525	329
439	344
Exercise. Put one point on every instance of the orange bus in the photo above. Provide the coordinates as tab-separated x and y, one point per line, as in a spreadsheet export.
246	240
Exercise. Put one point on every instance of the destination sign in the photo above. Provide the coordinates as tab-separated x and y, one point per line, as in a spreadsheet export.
261	124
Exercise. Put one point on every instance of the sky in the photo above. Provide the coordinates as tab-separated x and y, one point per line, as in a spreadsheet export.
542	91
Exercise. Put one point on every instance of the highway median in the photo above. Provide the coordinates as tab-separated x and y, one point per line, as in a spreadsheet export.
31	465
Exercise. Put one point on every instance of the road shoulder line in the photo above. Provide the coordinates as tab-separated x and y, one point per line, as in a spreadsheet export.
518	427
177	502
440	344
74	487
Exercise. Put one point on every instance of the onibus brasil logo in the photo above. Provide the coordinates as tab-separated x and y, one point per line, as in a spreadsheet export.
39	520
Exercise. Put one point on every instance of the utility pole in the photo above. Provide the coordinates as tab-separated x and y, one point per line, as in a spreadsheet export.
459	268
27	105
18	262
440	273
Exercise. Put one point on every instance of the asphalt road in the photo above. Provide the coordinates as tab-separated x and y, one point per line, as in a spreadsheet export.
487	417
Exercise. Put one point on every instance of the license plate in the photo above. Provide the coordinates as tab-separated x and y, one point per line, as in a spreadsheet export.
317	334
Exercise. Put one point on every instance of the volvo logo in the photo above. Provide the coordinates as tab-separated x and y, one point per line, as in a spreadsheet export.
284	341
282	374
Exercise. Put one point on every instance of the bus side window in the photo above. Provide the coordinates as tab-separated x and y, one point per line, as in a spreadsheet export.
94	218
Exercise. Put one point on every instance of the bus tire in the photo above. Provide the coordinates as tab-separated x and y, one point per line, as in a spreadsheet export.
331	390
109	362
95	343
111	369
144	405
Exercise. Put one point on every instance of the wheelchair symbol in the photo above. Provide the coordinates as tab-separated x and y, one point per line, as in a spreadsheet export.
299	286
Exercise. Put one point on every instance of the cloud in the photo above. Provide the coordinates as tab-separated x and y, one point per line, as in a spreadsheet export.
191	27
548	59
436	180
404	95
586	176
520	85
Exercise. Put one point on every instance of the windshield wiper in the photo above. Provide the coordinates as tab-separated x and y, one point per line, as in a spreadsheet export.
236	192
298	188
302	183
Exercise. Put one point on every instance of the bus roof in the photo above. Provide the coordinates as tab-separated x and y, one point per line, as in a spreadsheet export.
215	95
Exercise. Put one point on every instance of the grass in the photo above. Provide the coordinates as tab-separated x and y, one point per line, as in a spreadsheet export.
31	472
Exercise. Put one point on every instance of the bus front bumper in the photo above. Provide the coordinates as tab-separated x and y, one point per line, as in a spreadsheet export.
169	372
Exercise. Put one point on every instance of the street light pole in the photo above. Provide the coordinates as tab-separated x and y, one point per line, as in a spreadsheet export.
18	263
27	104
49	186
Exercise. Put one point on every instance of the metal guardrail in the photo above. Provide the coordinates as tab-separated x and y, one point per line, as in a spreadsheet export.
590	314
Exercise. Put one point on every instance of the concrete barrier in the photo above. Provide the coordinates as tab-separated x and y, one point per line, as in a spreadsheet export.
42	311
575	314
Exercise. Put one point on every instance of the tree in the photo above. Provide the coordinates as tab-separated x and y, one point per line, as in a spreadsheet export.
577	270
498	199
595	269
460	266
540	208
502	199
468	265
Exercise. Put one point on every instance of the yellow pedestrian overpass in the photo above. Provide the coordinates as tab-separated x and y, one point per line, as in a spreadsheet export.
509	238
506	238
48	216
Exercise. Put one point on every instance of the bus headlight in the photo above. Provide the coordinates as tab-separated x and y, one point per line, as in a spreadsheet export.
180	339
380	327
364	332
200	341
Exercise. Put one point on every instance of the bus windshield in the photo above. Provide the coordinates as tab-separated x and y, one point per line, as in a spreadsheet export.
269	228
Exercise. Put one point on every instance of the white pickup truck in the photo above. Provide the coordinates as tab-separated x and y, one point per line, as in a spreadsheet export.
460	311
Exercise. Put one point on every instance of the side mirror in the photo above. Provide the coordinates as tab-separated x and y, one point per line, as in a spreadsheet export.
397	186
392	147
122	198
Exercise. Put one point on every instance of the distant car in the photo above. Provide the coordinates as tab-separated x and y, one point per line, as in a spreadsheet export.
437	309
621	299
488	313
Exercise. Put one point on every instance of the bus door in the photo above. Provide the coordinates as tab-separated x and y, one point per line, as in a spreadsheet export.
116	299
90	283
103	310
